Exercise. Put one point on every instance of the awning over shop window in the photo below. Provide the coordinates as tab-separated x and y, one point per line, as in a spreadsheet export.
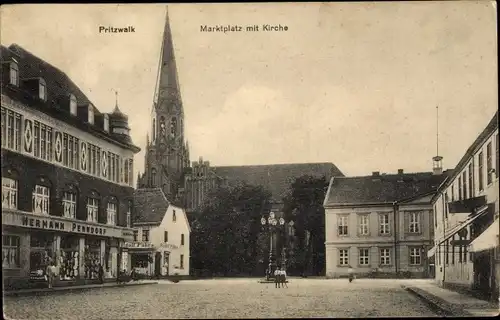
431	252
463	224
486	240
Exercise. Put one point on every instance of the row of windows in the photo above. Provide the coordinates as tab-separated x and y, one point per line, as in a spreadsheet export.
41	203
415	255
145	236
45	143
383	222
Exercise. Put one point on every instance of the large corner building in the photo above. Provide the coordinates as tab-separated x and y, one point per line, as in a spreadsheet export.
67	175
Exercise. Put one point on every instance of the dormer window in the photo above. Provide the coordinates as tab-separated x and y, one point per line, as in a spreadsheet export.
106	123
14	74
72	105
42	90
91	114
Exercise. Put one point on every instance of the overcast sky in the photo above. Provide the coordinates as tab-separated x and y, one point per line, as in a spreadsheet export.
356	84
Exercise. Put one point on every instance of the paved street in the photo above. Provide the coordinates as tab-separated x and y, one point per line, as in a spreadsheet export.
226	298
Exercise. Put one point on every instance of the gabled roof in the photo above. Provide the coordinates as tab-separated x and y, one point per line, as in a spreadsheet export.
276	177
150	205
386	188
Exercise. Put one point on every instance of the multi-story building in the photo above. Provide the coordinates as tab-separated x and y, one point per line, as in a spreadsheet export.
466	219
161	236
380	224
67	175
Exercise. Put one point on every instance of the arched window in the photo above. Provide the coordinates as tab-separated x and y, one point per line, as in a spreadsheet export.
93	201
173	126
10	187
69	201
162	126
153	177
41	196
154	129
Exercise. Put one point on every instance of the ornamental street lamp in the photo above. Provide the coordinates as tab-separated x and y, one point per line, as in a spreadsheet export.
273	223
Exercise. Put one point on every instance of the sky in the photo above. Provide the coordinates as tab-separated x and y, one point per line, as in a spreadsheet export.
355	84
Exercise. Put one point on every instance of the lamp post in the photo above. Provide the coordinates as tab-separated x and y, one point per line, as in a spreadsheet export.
273	224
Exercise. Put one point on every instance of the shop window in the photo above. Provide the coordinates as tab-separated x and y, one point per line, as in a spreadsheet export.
92	209
41	199
112	212
145	235
10	252
69	205
69	259
140	260
9	193
41	253
92	258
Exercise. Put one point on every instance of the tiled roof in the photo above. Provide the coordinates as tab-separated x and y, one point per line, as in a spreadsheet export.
150	205
59	86
276	177
383	188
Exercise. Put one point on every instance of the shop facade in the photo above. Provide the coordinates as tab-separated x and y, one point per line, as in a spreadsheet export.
76	248
152	260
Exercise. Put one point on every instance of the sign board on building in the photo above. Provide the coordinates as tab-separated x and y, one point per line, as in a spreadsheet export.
168	245
138	244
52	223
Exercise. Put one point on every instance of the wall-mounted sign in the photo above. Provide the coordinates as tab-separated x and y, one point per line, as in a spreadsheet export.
168	245
28	220
139	245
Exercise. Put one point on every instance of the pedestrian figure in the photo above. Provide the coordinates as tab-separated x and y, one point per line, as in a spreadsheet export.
277	278
49	272
283	278
101	273
350	272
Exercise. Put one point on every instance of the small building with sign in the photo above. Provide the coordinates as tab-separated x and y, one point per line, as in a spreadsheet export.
160	246
67	176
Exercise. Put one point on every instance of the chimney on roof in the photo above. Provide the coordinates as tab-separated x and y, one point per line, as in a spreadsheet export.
400	171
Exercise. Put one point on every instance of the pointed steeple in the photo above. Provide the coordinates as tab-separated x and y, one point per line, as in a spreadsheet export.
167	87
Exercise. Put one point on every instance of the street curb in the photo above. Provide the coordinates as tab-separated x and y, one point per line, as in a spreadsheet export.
47	291
443	307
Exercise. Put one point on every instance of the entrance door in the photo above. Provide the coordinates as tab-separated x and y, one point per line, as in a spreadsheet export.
482	269
157	264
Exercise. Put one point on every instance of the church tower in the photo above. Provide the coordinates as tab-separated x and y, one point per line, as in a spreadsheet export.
167	153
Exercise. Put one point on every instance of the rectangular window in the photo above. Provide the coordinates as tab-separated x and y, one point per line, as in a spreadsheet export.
14	74
98	161
415	258
43	146
94	160
447	252
92	209
111	213
364	224
10	130
65	149
42	91
4	127
453	250
343	225
17	132
174	217
90	163
343	257
414	222
131	172
471	180
385	256
9	193
145	235
41	199
69	205
129	215
364	257
70	152
182	261
165	236
182	239
385	227
453	192
10	252
49	144
480	169
136	235
125	170
464	185
36	140
489	163
76	151
460	188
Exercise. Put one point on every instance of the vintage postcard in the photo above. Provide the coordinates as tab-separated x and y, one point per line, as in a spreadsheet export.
250	160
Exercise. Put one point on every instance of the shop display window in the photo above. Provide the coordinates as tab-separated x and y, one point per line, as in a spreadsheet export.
10	251
92	259
41	254
69	258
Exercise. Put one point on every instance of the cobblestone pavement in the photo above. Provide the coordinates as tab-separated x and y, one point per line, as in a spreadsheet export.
225	298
